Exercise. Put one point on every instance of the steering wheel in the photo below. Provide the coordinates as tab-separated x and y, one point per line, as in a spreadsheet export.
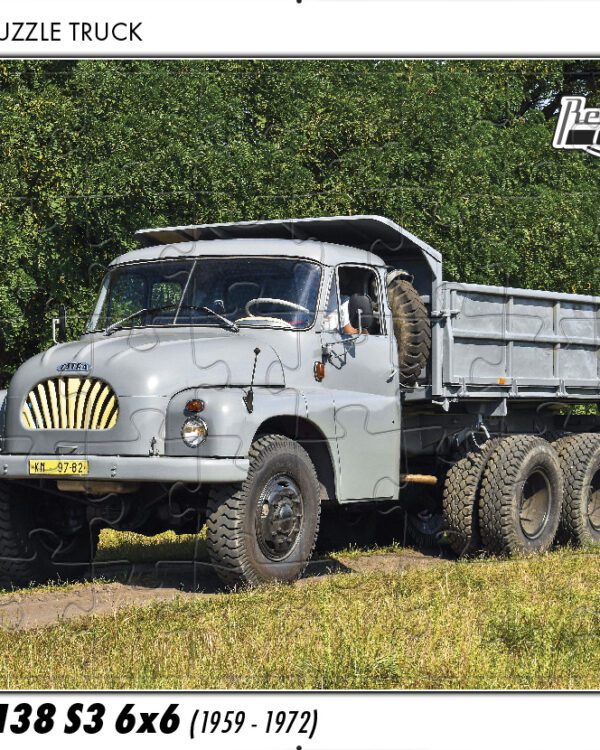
271	300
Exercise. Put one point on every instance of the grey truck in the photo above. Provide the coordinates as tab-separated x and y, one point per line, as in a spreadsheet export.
246	376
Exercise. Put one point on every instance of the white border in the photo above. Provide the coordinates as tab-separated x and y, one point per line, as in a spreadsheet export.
323	28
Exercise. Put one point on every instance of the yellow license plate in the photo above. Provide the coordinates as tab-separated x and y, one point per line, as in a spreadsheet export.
58	467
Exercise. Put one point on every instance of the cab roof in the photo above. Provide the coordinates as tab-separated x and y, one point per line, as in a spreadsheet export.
330	240
329	255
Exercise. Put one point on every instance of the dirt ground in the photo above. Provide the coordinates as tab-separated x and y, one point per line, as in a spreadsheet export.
122	586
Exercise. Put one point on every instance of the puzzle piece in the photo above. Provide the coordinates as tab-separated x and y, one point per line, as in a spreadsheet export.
134	160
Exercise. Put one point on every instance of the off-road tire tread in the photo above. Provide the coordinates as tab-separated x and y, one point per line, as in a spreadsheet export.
18	565
496	498
412	328
23	561
575	453
225	515
460	500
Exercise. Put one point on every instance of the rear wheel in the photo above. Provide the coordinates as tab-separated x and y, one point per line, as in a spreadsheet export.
265	529
461	499
521	496
42	537
580	463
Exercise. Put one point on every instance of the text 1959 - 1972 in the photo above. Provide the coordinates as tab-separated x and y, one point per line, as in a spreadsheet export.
94	717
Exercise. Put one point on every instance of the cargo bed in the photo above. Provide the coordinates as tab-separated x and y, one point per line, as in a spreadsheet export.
505	343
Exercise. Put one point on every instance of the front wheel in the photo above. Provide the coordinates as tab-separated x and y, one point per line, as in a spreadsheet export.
43	536
265	529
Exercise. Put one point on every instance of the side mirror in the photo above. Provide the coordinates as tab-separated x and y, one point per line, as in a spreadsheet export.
360	311
59	326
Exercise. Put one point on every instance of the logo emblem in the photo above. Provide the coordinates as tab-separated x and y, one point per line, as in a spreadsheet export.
74	367
578	128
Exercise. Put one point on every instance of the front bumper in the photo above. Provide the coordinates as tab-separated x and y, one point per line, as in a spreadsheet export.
139	468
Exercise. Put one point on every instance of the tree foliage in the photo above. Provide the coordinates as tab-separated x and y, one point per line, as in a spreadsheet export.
459	152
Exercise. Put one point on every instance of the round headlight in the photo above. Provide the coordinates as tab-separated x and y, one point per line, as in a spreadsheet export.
194	432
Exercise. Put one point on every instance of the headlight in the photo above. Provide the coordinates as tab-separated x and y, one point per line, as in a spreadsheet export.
194	432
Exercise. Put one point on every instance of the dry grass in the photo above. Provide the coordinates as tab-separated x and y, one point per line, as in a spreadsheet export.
486	624
128	547
131	547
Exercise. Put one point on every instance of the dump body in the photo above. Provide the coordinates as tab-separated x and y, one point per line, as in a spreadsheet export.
500	342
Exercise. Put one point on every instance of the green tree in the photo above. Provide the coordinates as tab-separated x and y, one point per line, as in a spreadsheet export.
459	152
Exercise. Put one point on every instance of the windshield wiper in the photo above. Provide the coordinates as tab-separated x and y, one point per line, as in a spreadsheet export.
119	323
144	310
229	323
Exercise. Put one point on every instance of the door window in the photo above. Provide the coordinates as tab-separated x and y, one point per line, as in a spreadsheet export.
354	283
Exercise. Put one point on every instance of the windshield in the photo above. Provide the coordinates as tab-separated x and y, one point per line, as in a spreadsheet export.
227	292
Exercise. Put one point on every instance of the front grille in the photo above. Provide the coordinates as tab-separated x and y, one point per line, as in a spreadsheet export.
71	404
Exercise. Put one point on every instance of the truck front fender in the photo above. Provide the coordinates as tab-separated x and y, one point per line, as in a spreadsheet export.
231	427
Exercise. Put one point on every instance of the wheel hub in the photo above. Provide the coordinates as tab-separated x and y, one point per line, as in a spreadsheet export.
427	522
593	504
534	504
279	520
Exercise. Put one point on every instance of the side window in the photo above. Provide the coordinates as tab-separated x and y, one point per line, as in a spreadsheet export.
356	282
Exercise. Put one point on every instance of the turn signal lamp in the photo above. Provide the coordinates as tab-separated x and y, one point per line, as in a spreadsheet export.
195	405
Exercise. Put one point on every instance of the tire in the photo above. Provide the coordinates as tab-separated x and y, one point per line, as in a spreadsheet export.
461	500
425	523
521	497
579	457
412	329
43	537
427	528
241	546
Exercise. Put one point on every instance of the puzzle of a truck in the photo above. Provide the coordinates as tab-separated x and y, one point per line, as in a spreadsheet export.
250	376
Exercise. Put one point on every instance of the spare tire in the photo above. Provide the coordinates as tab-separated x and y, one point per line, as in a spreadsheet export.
412	329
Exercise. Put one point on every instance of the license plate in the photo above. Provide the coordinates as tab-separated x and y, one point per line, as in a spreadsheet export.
58	468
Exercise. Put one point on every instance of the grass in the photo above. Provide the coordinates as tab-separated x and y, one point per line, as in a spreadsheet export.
131	547
482	624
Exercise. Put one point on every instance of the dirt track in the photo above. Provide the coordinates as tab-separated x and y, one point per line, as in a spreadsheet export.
141	584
